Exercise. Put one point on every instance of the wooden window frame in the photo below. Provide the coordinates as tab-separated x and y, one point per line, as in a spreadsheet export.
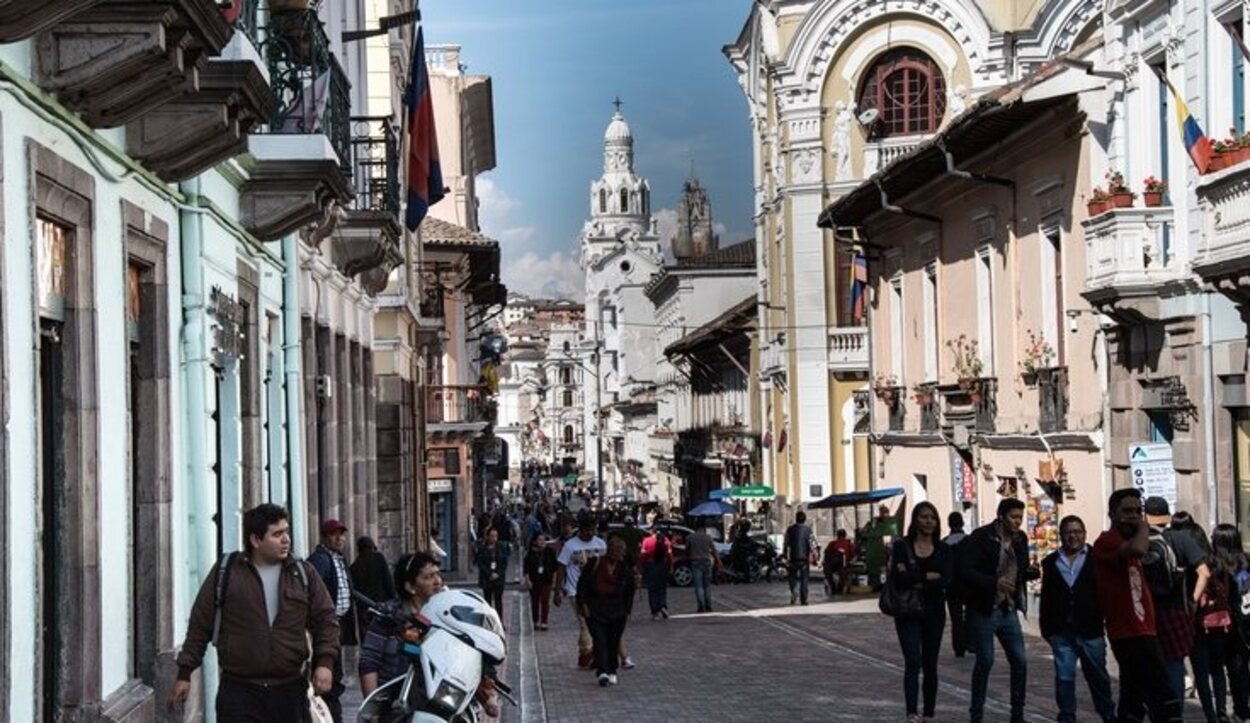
898	117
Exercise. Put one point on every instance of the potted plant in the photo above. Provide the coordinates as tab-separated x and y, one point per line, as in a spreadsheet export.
1121	196
967	364
885	386
1152	193
1038	355
1098	202
1242	153
923	393
1221	154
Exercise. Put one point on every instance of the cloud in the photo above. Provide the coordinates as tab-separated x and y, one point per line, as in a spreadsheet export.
495	212
556	276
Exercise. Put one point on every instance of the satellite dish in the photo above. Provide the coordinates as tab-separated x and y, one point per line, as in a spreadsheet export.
868	116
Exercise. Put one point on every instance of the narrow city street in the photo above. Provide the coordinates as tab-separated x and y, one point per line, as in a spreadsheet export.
756	658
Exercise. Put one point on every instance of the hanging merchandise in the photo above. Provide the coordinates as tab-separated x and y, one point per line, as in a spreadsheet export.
1042	524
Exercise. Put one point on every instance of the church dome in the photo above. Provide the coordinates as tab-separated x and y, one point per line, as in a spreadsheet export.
618	130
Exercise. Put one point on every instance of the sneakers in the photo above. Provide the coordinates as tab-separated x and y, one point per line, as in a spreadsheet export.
628	663
913	718
605	679
664	613
655	617
612	679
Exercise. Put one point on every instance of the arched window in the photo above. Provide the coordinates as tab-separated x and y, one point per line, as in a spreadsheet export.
603	200
908	90
624	200
568	434
566	375
646	200
568	397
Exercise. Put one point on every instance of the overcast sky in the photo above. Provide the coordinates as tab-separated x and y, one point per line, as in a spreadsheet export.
556	67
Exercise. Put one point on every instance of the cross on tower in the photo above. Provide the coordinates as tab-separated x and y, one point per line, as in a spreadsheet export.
618	103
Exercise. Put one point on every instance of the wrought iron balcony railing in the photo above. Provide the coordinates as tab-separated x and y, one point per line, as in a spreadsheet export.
1052	393
458	405
312	90
375	164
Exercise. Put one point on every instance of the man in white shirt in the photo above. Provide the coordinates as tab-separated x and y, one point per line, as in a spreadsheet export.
574	555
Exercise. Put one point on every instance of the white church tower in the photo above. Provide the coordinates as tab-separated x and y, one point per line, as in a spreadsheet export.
620	252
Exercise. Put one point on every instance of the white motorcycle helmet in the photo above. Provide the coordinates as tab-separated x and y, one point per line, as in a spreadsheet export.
467	614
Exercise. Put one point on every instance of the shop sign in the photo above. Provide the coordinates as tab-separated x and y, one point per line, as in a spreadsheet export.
963	478
227	329
1153	474
438	486
719	494
753	492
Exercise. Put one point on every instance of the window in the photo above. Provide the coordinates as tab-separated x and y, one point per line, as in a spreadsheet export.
603	200
1051	278
985	310
896	329
646	200
1160	426
568	435
567	398
931	351
908	90
566	375
624	200
1239	76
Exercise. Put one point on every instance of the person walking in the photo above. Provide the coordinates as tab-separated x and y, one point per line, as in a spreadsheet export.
1218	648
492	564
258	608
371	576
799	545
1071	621
540	571
605	590
1177	572
657	565
920	560
701	551
955	603
576	552
1126	602
994	567
327	559
1227	550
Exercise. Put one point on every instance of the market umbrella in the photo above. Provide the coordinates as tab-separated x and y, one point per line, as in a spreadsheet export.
712	508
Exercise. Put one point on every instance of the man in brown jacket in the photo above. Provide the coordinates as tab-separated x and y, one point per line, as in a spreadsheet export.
269	603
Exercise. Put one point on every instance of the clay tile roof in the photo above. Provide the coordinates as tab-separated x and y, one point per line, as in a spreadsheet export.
739	254
437	232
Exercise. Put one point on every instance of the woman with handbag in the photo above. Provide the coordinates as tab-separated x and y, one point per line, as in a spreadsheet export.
1218	647
919	572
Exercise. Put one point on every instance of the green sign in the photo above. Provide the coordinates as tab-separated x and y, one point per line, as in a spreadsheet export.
752	492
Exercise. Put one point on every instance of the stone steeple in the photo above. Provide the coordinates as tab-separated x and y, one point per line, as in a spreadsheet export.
694	222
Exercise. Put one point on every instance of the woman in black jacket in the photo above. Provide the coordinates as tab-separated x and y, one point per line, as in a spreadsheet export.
540	569
921	561
605	592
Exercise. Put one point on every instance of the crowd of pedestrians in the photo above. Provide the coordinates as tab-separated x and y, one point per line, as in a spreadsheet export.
1167	598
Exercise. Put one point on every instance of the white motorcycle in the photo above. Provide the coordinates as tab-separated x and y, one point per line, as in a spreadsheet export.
455	643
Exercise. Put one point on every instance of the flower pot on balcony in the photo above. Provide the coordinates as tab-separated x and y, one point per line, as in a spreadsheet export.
1096	208
1240	155
1152	199
1219	161
1029	378
1122	199
969	384
923	399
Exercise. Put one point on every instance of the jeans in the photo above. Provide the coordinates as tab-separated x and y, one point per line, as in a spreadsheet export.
959	624
607	634
1144	684
921	641
1216	652
1092	654
242	702
657	585
800	571
982	628
701	574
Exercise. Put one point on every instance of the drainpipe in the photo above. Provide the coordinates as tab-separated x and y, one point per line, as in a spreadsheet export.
294	392
1208	420
201	497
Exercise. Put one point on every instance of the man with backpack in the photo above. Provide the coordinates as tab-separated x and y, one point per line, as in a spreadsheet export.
258	608
1176	570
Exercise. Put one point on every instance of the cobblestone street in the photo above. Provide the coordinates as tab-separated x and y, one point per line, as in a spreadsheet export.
755	659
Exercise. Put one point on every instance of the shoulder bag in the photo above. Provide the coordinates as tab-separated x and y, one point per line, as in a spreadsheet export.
901	603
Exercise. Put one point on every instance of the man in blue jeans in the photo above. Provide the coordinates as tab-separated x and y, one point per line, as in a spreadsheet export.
797	549
995	567
702	554
1071	621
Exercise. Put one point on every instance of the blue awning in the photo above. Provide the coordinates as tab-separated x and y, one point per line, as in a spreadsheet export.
850	499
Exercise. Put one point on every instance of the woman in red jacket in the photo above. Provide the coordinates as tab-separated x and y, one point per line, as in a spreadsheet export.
657	565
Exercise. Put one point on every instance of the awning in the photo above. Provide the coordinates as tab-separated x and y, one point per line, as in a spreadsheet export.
850	499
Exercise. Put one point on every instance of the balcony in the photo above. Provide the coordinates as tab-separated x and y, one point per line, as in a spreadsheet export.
1129	260
926	397
1224	255
848	349
20	19
114	60
367	241
299	168
773	360
1052	400
463	409
879	154
969	408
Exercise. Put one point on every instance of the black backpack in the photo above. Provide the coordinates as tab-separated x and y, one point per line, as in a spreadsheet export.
1164	573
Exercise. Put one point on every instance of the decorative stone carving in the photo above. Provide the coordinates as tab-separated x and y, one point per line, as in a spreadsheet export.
842	139
1174	44
117	60
283	195
804	165
199	130
20	19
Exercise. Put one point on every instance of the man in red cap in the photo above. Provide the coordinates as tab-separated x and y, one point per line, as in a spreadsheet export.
327	559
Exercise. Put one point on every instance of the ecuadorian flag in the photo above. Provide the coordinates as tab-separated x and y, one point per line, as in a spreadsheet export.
1197	145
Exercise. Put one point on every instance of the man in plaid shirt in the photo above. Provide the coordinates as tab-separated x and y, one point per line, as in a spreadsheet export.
327	559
